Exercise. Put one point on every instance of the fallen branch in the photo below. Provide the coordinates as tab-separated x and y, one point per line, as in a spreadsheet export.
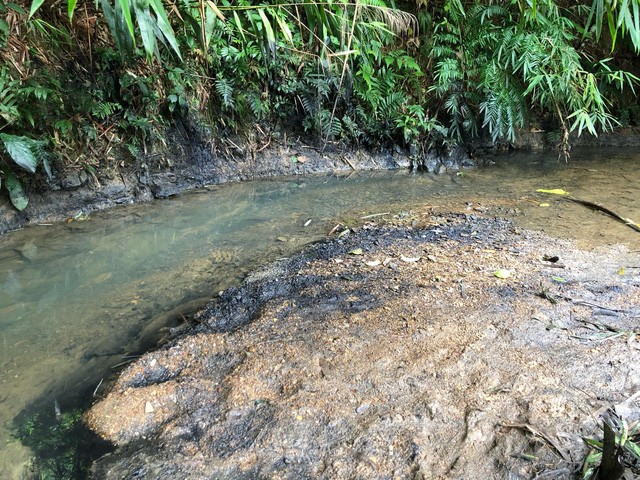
585	303
596	206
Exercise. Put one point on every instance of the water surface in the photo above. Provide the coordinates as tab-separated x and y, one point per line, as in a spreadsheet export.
80	297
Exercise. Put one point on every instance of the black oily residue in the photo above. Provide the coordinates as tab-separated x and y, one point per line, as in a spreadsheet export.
239	306
240	430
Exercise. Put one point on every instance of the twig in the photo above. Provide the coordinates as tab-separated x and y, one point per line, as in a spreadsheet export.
236	146
96	390
591	304
349	162
596	206
375	215
264	146
631	399
540	434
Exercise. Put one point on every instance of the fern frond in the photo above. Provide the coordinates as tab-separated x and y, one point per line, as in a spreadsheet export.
224	88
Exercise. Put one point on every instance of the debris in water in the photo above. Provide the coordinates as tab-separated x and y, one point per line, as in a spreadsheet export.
553	191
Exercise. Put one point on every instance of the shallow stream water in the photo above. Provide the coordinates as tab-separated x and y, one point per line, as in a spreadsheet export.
80	298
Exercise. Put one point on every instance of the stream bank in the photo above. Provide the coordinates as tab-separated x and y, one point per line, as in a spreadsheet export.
190	157
391	352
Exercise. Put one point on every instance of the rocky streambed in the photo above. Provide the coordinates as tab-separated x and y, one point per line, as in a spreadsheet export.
393	351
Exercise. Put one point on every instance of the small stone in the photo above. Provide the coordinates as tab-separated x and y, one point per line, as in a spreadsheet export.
148	408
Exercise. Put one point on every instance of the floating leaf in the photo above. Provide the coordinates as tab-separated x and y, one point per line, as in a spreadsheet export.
294	159
16	193
554	191
621	271
356	251
502	273
544	205
559	279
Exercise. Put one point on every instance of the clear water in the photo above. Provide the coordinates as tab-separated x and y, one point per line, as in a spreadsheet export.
78	298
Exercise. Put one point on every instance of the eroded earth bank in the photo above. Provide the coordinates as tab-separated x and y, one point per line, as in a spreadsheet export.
391	352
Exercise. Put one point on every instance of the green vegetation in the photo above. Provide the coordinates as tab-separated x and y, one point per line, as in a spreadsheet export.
617	452
89	86
62	445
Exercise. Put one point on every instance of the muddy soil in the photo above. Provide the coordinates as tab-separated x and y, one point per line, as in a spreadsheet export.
391	352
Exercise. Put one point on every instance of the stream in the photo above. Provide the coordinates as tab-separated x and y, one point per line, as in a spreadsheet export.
80	299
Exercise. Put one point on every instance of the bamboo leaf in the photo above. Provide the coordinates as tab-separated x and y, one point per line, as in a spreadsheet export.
71	7
284	28
633	448
215	9
117	24
34	7
145	24
268	30
236	17
125	7
164	25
